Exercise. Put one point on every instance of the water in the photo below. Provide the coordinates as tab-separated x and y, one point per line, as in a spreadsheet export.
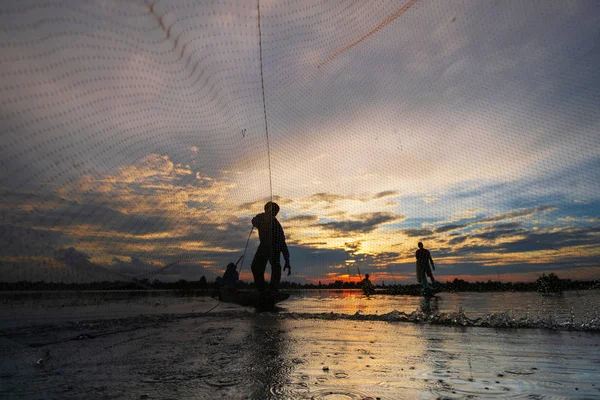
318	345
572	310
577	304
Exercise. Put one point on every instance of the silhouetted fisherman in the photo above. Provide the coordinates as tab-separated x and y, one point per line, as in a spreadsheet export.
272	243
367	286
424	266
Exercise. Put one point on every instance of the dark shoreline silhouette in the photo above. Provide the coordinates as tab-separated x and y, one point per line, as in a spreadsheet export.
545	284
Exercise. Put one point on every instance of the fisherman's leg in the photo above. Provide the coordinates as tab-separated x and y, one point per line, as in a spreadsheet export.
259	264
430	275
275	272
424	282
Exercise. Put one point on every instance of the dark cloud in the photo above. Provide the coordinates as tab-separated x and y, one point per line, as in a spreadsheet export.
326	197
79	262
457	240
505	226
417	232
302	218
500	230
71	214
352	247
493	235
81	269
386	193
447	228
27	241
532	241
191	270
368	223
134	267
552	240
524	212
476	268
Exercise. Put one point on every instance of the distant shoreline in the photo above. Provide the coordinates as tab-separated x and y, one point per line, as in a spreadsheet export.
544	284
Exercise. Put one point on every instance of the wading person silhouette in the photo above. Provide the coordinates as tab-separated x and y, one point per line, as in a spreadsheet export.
367	286
272	243
424	266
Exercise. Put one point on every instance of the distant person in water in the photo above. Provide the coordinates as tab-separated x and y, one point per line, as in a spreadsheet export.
366	285
424	266
272	243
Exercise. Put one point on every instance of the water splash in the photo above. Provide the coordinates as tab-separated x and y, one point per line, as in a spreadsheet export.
508	319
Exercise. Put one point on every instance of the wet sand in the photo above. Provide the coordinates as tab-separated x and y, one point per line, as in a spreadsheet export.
238	354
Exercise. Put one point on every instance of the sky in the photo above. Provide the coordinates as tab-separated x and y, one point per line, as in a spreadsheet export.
135	141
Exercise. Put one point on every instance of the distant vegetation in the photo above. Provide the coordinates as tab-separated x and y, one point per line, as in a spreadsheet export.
550	283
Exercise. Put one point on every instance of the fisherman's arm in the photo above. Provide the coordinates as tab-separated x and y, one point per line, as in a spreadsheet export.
286	257
431	261
285	251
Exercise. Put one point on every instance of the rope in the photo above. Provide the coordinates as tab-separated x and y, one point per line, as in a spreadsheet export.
246	248
262	84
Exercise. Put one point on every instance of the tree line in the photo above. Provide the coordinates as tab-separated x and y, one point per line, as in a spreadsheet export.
550	283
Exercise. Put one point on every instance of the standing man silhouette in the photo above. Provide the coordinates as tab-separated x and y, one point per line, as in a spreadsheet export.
424	260
272	243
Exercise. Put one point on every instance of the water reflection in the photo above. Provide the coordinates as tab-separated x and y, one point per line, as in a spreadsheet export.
269	367
430	306
353	360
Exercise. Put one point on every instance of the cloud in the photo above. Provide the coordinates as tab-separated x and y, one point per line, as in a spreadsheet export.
135	266
457	240
522	241
27	241
499	231
387	193
302	219
82	269
327	197
514	214
415	232
552	240
525	212
149	155
365	223
450	227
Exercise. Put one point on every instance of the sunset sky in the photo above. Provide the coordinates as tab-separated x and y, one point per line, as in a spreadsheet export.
136	135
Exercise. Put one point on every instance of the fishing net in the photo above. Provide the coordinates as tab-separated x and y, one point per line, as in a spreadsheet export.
139	138
139	135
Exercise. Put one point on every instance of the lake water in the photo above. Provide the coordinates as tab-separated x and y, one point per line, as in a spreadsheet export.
317	345
571	309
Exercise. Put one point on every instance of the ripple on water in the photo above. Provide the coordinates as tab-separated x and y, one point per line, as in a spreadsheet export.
340	395
506	387
224	381
290	390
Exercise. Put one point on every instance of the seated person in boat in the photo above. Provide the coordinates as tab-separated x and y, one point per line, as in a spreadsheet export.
230	278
